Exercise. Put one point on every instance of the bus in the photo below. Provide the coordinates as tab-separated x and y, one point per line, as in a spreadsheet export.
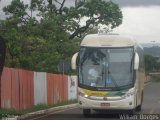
110	73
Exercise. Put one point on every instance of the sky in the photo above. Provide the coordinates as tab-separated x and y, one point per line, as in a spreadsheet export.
141	23
140	18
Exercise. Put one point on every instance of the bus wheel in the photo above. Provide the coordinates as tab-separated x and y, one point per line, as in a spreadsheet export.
138	108
86	112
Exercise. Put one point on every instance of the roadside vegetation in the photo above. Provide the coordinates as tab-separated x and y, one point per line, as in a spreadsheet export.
13	112
40	34
152	67
152	64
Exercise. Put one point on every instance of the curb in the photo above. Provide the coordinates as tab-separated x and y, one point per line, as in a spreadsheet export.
41	112
46	111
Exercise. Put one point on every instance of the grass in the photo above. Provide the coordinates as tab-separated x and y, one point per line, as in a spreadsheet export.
13	112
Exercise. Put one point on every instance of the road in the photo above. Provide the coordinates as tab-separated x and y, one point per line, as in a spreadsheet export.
151	105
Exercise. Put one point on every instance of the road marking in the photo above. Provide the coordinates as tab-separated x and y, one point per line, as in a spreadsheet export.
52	113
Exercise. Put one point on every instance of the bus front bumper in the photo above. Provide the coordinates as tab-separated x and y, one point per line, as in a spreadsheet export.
127	103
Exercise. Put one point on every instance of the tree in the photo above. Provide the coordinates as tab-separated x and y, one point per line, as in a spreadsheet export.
2	54
42	33
151	63
95	12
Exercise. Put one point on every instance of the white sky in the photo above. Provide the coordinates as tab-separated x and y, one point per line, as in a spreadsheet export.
140	20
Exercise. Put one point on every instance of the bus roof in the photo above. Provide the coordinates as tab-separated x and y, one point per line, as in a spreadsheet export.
96	40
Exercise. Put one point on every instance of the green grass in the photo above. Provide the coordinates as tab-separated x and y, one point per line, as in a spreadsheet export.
13	112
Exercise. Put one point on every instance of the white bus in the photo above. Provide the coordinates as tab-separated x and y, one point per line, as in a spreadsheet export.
110	73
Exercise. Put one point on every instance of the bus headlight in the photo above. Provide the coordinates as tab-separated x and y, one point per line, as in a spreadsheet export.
86	96
130	93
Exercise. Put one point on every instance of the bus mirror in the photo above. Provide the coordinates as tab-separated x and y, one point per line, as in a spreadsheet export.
136	61
73	61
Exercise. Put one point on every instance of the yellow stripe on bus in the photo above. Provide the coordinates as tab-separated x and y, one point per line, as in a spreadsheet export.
95	93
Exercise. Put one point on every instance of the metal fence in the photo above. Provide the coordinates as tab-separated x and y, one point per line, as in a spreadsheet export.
21	89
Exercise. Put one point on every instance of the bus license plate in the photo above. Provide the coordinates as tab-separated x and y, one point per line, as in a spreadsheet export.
105	104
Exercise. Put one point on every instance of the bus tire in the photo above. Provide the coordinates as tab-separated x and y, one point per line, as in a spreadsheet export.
86	112
138	108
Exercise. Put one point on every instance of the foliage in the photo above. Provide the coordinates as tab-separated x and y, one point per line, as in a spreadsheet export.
154	51
151	63
38	35
97	12
2	54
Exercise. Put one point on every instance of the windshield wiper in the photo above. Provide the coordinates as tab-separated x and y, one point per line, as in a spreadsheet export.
114	81
109	76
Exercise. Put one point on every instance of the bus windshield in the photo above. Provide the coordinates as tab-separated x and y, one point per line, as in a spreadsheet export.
106	68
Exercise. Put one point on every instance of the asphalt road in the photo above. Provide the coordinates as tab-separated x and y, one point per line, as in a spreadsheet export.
150	106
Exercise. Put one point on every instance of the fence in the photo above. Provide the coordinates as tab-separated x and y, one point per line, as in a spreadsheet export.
21	89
